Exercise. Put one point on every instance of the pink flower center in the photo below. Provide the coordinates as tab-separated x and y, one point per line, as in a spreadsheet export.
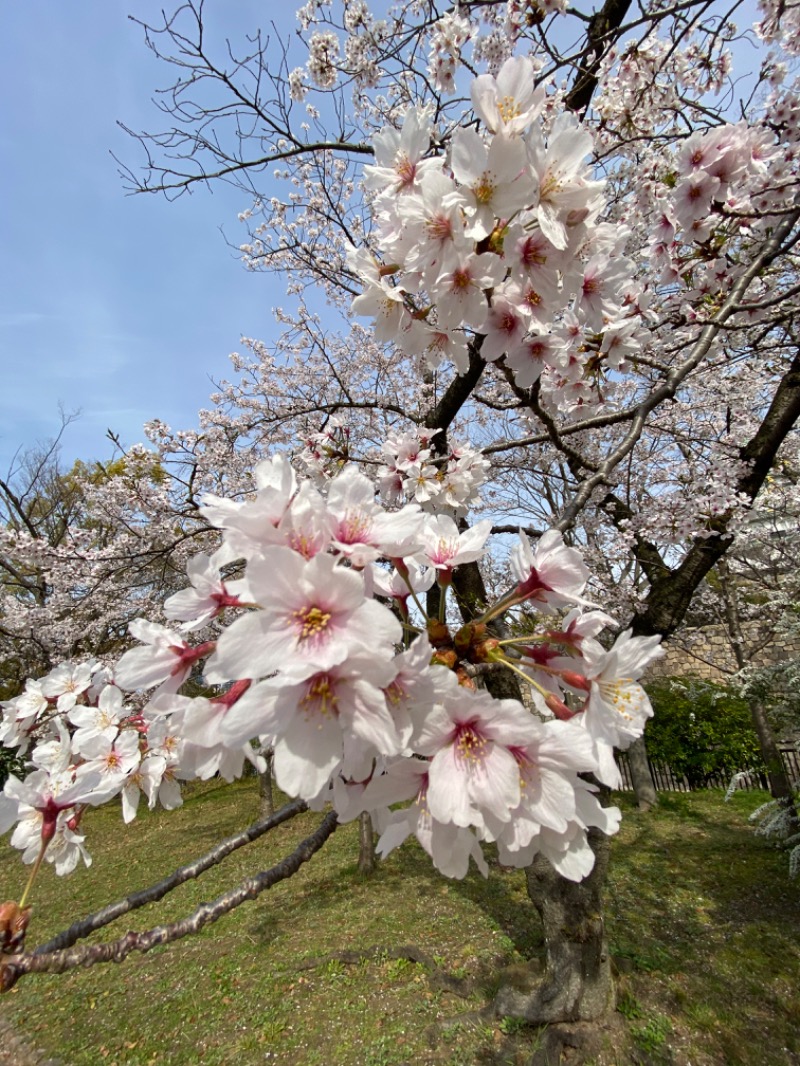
303	544
396	692
462	279
507	323
532	585
440	228
536	350
444	551
187	656
532	254
406	171
354	528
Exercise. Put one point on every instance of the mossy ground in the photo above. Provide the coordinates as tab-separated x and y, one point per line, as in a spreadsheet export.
702	921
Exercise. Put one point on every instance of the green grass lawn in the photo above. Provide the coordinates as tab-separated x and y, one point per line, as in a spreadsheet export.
702	920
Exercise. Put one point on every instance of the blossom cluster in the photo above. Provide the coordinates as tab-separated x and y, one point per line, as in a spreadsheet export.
320	649
412	471
90	746
410	468
325	451
724	181
450	34
500	240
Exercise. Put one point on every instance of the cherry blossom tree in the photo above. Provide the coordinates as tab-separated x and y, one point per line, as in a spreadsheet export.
571	239
657	91
84	551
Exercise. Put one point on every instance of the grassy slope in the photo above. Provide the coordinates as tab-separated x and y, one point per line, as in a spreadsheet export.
702	920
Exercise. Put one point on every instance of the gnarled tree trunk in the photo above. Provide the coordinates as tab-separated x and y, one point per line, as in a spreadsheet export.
576	984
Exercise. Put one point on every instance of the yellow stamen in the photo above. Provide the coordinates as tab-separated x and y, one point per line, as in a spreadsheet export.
508	108
311	621
484	190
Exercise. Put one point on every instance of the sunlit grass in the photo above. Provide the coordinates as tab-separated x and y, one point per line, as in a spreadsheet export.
700	913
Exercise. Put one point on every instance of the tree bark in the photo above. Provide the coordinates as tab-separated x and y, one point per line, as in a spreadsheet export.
780	786
577	984
266	797
366	844
643	786
603	31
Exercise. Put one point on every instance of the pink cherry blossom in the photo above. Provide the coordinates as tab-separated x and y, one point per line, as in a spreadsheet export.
209	595
510	101
445	547
313	615
469	737
495	183
163	659
552	574
65	683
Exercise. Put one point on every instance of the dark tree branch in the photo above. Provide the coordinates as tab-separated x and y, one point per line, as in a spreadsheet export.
604	28
16	966
458	391
86	926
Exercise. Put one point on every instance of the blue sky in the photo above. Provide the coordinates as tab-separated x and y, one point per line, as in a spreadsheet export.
124	307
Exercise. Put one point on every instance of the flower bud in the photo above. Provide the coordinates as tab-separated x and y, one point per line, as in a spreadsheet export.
577	681
469	636
438	634
13	923
445	657
465	680
558	707
486	651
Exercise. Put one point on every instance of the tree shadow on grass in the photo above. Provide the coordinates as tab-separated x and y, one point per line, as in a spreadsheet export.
503	896
332	881
687	885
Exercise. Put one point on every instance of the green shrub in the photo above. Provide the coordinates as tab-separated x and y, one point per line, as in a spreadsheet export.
10	763
700	729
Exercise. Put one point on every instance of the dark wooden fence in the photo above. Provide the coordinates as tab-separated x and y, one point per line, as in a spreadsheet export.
666	780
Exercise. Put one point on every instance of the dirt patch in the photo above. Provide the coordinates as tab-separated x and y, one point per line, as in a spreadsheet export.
14	1051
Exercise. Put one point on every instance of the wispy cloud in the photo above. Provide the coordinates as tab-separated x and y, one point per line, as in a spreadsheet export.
16	319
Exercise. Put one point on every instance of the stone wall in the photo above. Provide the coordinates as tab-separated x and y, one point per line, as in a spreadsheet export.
706	653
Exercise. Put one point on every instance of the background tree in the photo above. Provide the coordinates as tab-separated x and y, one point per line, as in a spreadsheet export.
83	550
701	730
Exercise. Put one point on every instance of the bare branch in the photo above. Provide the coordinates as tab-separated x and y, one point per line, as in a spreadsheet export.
16	966
86	926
